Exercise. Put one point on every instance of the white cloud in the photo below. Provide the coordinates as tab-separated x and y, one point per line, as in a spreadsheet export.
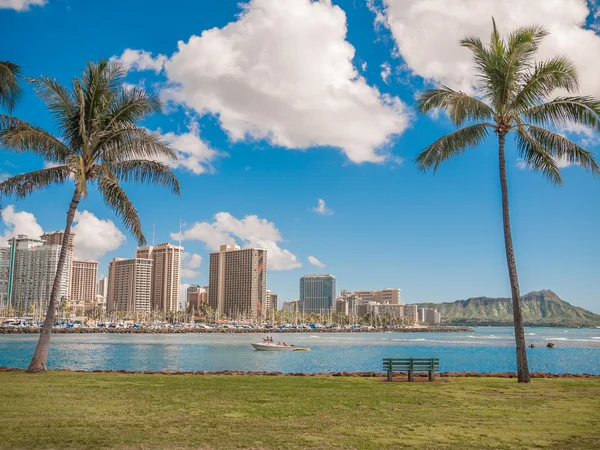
18	222
283	72
95	237
427	35
189	262
137	60
315	262
386	71
251	231
21	5
194	153
322	208
364	66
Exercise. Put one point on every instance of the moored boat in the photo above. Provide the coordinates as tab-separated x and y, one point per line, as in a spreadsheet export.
272	347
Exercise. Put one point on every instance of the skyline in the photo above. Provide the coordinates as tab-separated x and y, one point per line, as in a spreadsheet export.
371	223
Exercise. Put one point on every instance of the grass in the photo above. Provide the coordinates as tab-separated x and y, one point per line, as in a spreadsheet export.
93	410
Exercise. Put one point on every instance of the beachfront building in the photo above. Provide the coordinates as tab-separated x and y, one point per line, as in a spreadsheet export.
342	306
5	258
129	284
389	296
166	275
84	280
429	316
102	287
317	293
33	266
410	314
237	281
271	301
379	309
196	296
291	306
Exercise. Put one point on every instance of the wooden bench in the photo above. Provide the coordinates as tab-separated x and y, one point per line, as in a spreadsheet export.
411	365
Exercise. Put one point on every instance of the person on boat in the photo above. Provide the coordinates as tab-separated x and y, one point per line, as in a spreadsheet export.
284	344
278	343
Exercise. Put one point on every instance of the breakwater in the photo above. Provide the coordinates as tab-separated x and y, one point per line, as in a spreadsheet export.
200	330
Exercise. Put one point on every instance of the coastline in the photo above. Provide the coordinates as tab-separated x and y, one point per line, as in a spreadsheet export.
417	375
198	330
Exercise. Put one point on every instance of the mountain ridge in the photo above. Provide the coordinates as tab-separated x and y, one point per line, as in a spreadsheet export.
539	308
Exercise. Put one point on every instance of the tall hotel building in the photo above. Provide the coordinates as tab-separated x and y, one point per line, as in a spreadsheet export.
5	258
238	281
129	284
32	266
317	293
84	279
166	275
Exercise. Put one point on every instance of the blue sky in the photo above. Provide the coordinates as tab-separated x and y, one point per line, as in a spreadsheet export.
273	108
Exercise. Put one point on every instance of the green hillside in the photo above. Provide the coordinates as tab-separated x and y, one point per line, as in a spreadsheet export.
539	308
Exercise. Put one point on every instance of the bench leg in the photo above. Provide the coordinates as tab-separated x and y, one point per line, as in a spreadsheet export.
410	375
431	375
389	375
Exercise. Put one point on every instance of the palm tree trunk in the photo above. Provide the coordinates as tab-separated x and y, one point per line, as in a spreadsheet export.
522	366
40	356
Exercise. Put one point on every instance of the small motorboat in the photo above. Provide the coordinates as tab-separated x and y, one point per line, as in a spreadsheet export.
272	347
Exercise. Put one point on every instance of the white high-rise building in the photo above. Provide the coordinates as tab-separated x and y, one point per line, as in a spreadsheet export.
271	301
166	275
102	287
34	263
129	284
238	281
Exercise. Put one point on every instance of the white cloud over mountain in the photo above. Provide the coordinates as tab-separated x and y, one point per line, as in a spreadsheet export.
251	231
21	5
427	34
283	72
95	237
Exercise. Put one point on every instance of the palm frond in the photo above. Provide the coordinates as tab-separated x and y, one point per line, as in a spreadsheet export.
143	171
131	106
562	148
20	136
116	198
460	106
57	98
545	78
452	144
564	110
10	87
20	186
537	157
133	143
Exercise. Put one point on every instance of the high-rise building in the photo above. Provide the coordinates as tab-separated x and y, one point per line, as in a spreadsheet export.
290	306
196	296
317	293
103	287
5	265
387	296
129	284
411	314
33	267
84	279
166	275
56	238
238	281
429	316
271	301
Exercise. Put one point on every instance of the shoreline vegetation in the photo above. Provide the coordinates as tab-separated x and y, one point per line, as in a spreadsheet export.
192	329
123	411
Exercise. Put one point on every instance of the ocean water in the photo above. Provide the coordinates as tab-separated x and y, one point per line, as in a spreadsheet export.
487	349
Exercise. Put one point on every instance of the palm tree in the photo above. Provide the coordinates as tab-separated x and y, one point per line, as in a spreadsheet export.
100	143
514	96
10	89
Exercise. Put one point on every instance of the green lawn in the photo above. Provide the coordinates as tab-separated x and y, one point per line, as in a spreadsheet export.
87	410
